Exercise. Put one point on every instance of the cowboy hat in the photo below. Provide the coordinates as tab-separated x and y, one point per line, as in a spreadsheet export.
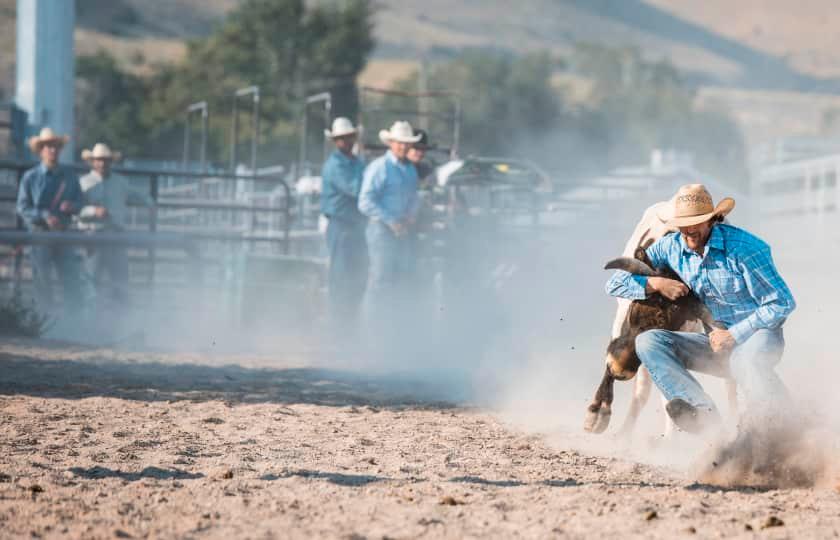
45	136
341	127
101	151
401	131
692	205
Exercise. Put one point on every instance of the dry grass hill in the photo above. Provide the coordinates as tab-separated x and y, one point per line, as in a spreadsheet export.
768	48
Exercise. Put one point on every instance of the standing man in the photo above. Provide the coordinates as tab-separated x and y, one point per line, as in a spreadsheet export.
106	197
389	199
48	197
733	274
417	156
341	179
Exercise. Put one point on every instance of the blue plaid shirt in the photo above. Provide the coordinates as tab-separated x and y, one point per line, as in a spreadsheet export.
735	278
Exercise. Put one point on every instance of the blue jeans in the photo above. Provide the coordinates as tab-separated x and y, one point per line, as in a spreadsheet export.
67	264
113	261
390	278
348	270
669	356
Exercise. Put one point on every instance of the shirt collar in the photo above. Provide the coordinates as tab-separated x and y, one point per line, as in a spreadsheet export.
44	170
393	159
715	241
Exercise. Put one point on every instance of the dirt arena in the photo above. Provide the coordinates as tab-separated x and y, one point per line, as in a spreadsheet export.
101	444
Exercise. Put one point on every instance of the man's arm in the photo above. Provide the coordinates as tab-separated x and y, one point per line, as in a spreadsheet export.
345	177
766	286
636	287
26	206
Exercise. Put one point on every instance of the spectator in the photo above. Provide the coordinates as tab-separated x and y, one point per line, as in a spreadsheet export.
389	198
48	197
106	198
341	179
417	156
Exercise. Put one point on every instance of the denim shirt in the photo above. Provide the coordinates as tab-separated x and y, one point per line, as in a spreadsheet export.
115	194
389	190
341	180
43	190
734	277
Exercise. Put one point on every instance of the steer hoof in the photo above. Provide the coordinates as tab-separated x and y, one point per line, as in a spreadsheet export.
597	418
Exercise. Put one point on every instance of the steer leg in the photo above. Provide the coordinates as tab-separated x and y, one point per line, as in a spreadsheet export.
599	411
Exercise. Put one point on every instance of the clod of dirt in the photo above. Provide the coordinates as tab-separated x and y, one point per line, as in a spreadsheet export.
35	488
213	420
449	501
748	527
651	515
119	533
226	474
691	530
772	521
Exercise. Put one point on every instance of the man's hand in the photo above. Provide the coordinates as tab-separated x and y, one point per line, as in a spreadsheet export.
721	340
669	288
66	207
398	228
100	212
54	223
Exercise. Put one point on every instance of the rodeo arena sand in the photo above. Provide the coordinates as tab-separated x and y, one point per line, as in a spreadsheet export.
178	442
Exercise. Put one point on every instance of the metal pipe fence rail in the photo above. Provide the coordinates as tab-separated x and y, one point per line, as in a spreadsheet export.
160	235
154	177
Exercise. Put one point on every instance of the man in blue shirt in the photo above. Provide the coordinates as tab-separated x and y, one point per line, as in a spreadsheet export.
341	180
389	198
48	197
733	274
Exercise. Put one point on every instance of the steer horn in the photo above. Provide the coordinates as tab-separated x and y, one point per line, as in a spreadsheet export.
634	266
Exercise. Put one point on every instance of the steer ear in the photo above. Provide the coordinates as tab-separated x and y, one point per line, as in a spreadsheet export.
634	266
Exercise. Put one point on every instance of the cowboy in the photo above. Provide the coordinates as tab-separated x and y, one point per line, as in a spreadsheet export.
417	154
389	198
48	197
341	180
106	197
733	274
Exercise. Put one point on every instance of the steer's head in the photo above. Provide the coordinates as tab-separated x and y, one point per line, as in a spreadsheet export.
622	359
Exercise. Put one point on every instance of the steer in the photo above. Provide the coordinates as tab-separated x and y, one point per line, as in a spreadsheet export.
655	311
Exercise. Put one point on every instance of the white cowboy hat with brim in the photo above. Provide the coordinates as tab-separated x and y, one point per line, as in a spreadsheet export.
341	127
401	131
692	205
101	151
46	135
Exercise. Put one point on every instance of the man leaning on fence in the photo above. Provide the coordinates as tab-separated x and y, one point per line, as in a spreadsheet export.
341	179
106	198
48	197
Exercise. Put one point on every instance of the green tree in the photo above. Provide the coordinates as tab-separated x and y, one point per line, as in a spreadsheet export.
109	104
287	48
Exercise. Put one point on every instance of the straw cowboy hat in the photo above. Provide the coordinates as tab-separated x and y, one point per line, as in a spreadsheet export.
692	205
47	135
341	127
101	151
400	132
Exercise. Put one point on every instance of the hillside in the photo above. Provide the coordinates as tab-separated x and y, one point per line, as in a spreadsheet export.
771	46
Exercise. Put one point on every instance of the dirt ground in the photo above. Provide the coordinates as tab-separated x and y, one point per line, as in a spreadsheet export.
100	444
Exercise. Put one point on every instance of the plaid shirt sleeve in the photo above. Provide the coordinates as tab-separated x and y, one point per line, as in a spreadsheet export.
766	286
632	287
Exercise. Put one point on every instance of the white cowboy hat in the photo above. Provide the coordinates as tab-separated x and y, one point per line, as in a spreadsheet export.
46	135
341	127
401	131
692	205
101	151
